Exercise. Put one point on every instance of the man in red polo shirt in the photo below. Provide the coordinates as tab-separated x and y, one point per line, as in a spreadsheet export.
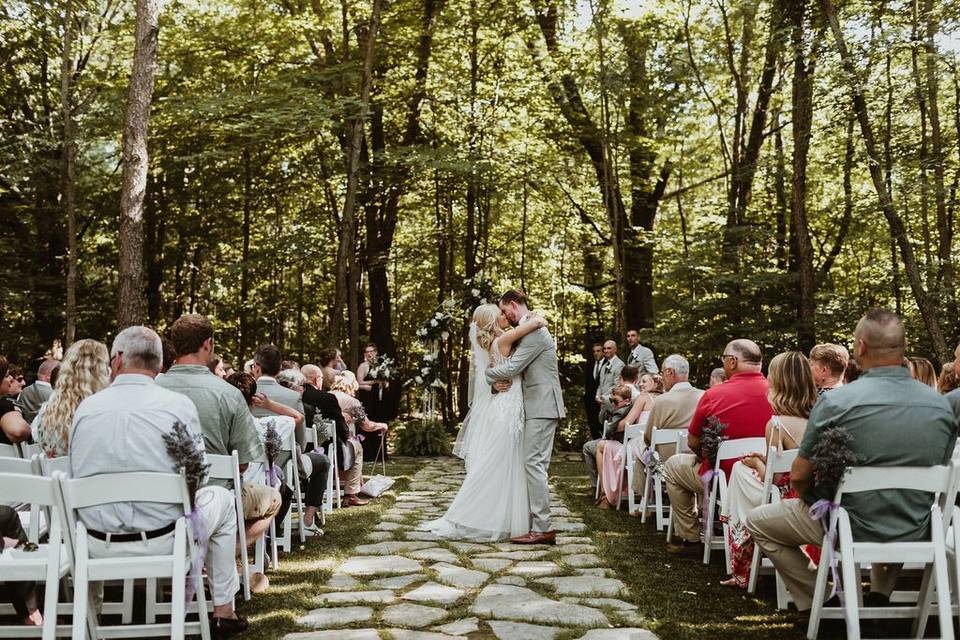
741	404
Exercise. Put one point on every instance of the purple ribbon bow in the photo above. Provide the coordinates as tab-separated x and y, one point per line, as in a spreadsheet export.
706	479
273	476
826	512
201	539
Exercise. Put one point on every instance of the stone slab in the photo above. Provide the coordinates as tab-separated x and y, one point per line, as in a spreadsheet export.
535	568
514	630
613	603
458	576
491	564
423	536
411	615
573	527
388	526
409	634
516	581
379	536
357	597
379	565
584	585
335	616
339	634
518	603
582	560
436	554
578	548
394	546
433	592
603	572
469	547
398	582
516	555
562	540
634	633
342	581
460	627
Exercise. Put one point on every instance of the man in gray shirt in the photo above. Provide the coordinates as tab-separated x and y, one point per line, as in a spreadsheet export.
267	362
120	430
39	392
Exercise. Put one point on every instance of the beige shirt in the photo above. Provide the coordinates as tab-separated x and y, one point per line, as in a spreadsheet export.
673	410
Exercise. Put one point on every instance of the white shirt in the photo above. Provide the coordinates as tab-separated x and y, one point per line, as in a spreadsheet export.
120	429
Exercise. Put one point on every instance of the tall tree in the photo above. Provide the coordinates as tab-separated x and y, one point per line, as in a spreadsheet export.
68	190
131	303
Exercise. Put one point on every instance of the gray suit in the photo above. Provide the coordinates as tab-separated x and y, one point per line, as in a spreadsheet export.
32	397
609	373
535	360
642	358
280	394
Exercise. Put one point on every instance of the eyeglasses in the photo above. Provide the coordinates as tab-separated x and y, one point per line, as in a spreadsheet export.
725	356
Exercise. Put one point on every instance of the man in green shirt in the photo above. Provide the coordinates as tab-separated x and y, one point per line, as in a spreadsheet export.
892	420
224	416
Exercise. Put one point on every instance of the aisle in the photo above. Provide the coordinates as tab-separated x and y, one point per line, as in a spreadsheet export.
411	586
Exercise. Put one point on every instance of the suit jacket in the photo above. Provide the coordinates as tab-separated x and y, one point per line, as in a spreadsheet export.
673	410
32	397
326	403
278	393
590	383
642	358
535	359
609	374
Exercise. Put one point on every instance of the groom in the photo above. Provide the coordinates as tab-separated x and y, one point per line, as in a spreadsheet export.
536	361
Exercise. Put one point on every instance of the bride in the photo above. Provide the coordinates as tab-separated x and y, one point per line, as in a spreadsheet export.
492	501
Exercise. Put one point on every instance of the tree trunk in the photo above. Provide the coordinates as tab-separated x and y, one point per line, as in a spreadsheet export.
69	185
346	252
245	254
802	121
130	300
844	227
898	231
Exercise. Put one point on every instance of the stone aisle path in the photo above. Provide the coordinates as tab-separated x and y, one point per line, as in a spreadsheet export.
406	584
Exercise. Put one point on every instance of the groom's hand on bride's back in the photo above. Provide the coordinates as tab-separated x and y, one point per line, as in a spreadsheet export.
501	385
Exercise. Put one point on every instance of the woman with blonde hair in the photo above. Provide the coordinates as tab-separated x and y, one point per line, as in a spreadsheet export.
84	371
792	396
344	388
922	371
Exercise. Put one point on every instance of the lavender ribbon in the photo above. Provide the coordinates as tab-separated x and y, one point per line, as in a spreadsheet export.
201	539
273	476
826	512
706	479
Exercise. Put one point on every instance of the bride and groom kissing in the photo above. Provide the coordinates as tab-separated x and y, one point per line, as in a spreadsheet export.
507	437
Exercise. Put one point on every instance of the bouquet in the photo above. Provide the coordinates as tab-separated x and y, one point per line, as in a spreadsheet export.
381	370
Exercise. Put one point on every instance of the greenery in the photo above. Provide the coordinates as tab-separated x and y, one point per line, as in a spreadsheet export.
693	168
427	437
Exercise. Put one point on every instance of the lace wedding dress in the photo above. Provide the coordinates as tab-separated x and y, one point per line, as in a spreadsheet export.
491	504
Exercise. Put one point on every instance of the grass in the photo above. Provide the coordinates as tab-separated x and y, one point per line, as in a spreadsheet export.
302	573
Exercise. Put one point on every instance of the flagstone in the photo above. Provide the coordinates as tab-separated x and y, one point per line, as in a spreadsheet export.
357	597
379	536
412	615
335	616
584	585
516	555
398	582
379	565
582	560
342	581
433	592
469	547
514	630
536	568
339	634
518	603
409	634
458	576
516	581
460	627
394	546
436	554
634	633
491	564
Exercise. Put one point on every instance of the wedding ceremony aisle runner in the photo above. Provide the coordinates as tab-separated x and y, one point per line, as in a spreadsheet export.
411	586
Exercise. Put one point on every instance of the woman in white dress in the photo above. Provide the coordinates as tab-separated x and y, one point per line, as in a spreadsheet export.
492	502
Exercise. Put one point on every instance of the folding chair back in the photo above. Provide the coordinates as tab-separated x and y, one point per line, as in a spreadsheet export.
632	434
777	462
937	481
332	491
728	449
49	466
654	483
682	447
9	451
27	451
228	468
163	488
292	479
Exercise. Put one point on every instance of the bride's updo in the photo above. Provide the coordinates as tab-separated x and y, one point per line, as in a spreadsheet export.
486	317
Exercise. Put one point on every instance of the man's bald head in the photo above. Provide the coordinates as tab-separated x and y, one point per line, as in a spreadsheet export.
609	349
881	339
46	368
742	356
313	374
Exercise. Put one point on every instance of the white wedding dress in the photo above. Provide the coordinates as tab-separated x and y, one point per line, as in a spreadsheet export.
491	504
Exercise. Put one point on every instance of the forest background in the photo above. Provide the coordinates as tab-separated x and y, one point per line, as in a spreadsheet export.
325	172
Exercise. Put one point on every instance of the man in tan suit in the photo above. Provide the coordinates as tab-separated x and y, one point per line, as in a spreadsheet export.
672	410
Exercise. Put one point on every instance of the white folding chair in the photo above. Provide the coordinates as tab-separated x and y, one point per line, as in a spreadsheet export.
228	468
33	520
49	564
28	450
292	479
311	437
682	447
165	488
9	451
852	555
728	449
777	462
333	489
631	435
654	483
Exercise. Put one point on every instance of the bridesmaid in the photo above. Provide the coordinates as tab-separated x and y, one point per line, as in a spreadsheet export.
371	394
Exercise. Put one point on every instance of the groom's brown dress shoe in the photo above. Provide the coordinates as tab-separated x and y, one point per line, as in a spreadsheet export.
536	537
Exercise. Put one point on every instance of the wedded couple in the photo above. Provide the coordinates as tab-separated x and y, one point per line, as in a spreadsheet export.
507	437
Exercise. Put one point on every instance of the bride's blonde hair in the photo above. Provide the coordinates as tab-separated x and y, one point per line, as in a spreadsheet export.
485	317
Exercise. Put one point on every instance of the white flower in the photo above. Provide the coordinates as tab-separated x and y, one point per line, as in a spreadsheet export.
483	301
418	380
445	335
421	332
424	370
434	323
438	384
439	315
428	357
475	293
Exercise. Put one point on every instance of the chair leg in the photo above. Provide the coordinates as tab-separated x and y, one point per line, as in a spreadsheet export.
819	593
127	617
631	497
851	597
923	603
708	524
151	605
945	613
658	502
81	599
755	563
51	593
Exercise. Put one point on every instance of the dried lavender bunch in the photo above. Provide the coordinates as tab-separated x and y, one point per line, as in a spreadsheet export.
183	447
358	414
831	457
710	439
271	442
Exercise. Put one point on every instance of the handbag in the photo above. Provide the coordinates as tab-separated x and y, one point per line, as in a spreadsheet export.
376	486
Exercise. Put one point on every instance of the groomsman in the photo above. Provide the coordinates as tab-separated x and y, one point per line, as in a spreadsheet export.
590	385
640	356
609	371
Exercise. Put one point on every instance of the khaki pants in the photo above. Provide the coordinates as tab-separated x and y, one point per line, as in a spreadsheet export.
353	477
683	487
781	529
259	501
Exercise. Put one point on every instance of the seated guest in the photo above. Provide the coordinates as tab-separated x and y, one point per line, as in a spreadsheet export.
289	364
226	422
39	392
315	471
828	363
121	430
591	382
217	367
328	362
17	382
267	362
741	404
852	372
13	428
84	372
651	383
292	379
345	390
673	410
315	394
792	396
169	355
607	463
22	595
922	370
948	379
882	413
717	376
640	404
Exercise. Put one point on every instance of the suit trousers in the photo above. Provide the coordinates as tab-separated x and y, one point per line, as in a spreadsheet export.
781	529
683	487
590	459
538	446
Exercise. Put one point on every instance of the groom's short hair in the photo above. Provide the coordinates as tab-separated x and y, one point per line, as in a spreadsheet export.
514	295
